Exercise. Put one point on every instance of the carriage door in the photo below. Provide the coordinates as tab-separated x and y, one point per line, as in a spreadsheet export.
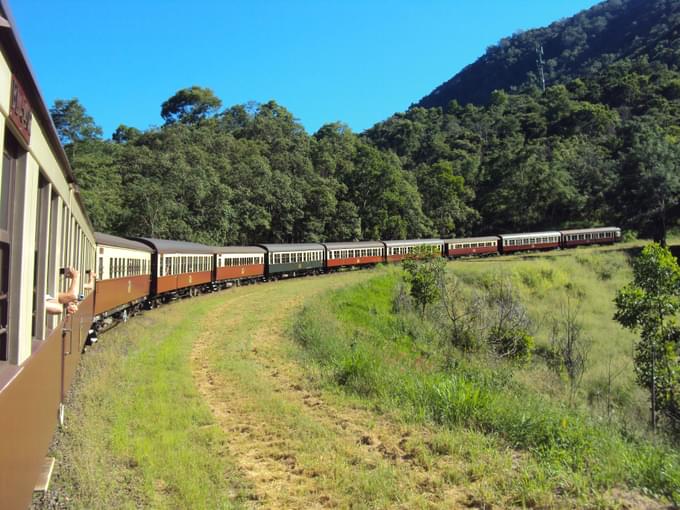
6	183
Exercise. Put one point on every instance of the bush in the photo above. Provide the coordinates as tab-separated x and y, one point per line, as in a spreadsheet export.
359	372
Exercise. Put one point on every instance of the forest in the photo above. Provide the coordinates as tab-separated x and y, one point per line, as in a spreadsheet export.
597	149
582	45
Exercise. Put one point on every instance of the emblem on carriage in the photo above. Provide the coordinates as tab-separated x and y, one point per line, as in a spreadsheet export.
129	286
299	266
243	270
189	278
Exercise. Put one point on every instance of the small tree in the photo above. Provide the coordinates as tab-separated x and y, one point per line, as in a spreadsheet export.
650	304
465	313
570	345
509	323
423	273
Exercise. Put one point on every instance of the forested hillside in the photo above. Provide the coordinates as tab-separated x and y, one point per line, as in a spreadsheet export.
582	45
602	149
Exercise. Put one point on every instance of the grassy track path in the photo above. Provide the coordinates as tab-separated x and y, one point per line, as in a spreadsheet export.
206	403
296	446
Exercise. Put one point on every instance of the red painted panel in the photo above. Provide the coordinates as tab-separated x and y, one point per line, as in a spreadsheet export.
526	247
166	284
113	293
395	258
354	261
236	272
191	279
462	252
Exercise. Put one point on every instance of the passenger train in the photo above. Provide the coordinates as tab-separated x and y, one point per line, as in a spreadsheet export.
144	272
44	228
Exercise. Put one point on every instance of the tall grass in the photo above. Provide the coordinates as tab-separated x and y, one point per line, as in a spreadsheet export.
138	434
400	362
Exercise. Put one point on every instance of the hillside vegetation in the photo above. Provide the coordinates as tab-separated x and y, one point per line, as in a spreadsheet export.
581	447
580	46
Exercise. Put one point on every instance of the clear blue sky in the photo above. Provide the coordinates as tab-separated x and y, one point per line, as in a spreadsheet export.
355	61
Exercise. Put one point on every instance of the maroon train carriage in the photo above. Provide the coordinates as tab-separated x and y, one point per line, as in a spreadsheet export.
360	253
179	267
467	246
600	235
529	241
239	263
123	274
398	250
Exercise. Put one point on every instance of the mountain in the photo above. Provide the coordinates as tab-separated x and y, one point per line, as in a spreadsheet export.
580	46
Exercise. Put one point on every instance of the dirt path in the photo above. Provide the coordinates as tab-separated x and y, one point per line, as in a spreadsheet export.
296	446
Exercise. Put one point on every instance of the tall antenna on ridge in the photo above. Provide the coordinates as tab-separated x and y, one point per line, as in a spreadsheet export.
539	63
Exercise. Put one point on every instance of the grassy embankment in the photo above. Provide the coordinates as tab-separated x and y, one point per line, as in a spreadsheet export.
200	404
517	440
138	434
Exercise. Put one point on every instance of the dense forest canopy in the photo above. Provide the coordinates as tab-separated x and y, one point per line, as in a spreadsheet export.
598	149
580	46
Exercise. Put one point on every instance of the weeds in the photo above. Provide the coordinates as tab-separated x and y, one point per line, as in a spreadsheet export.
571	452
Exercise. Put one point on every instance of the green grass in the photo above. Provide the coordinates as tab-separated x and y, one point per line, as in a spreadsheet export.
138	434
400	362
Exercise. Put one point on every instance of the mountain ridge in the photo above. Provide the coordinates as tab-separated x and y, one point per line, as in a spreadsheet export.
579	46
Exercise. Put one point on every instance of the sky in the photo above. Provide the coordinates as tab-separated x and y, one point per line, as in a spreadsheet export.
354	61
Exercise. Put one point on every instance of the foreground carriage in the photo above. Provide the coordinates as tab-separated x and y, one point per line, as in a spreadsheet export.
43	228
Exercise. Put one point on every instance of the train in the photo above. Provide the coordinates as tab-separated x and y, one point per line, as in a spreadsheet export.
137	273
44	228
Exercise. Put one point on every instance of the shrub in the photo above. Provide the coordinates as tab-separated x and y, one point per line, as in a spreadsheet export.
359	372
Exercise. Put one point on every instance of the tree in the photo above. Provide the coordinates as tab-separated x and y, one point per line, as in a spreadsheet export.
651	180
190	106
423	273
508	323
73	125
650	304
570	345
444	198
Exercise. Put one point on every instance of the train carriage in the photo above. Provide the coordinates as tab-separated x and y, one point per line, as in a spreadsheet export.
237	263
399	250
179	267
123	274
360	253
529	241
584	236
43	229
468	246
284	260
